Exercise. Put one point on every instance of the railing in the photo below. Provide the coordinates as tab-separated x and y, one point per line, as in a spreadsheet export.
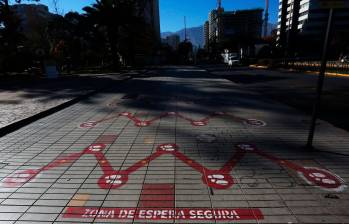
314	65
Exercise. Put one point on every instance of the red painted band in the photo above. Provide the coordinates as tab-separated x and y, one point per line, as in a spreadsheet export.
195	214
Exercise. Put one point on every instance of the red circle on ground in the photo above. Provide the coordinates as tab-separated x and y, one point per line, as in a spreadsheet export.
199	123
170	147
321	178
20	178
246	147
88	124
255	122
218	180
142	124
113	180
95	148
125	114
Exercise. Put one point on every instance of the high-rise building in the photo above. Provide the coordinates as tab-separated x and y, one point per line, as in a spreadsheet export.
304	21
246	23
206	34
148	41
225	27
152	16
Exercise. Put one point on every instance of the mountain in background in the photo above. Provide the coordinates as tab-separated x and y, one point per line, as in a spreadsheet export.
194	34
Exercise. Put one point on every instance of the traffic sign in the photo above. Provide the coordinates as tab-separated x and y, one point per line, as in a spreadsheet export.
333	4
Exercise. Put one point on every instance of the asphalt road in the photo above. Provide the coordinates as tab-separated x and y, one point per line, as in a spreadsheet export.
294	89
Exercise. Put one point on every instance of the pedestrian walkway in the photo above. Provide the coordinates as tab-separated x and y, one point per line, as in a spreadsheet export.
179	146
21	98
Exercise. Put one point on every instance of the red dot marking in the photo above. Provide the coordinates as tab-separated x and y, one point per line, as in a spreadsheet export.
167	148
88	124
20	178
321	178
143	124
255	122
95	148
113	180
246	147
199	123
218	180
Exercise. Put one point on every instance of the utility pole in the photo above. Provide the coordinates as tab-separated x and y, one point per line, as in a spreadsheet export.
266	18
185	29
320	84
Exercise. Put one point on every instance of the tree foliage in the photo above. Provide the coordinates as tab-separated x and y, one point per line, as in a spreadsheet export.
10	37
108	34
118	20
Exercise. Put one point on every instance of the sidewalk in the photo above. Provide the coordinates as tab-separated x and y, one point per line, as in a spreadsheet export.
177	146
23	97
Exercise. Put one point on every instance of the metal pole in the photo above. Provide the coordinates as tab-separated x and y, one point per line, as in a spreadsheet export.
185	29
320	83
266	18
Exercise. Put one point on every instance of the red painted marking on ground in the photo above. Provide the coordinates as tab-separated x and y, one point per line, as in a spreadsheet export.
201	122
156	204
152	196
312	175
229	166
218	179
158	192
62	160
194	214
158	186
20	178
107	139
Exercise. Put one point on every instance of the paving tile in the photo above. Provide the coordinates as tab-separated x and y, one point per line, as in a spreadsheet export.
94	179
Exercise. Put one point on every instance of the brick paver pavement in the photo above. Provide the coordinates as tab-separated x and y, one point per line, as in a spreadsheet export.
179	146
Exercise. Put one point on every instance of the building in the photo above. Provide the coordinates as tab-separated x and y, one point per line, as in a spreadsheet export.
173	41
302	26
233	29
206	35
152	16
148	40
32	16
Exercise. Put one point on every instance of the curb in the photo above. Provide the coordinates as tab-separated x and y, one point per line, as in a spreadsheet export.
26	121
306	72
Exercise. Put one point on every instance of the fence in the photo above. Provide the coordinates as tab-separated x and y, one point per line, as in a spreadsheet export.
313	65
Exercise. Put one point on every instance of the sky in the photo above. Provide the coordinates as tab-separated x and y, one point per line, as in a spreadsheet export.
172	12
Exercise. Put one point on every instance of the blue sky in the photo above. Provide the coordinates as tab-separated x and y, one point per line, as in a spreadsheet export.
172	12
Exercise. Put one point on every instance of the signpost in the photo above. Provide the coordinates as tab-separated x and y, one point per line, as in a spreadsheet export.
331	5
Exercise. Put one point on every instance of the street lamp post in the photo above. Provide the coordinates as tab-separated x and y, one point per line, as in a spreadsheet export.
320	83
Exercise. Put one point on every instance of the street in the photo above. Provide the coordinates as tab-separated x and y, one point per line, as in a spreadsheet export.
176	145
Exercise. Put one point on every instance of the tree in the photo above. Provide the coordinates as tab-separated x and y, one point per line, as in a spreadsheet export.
185	50
10	37
116	18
